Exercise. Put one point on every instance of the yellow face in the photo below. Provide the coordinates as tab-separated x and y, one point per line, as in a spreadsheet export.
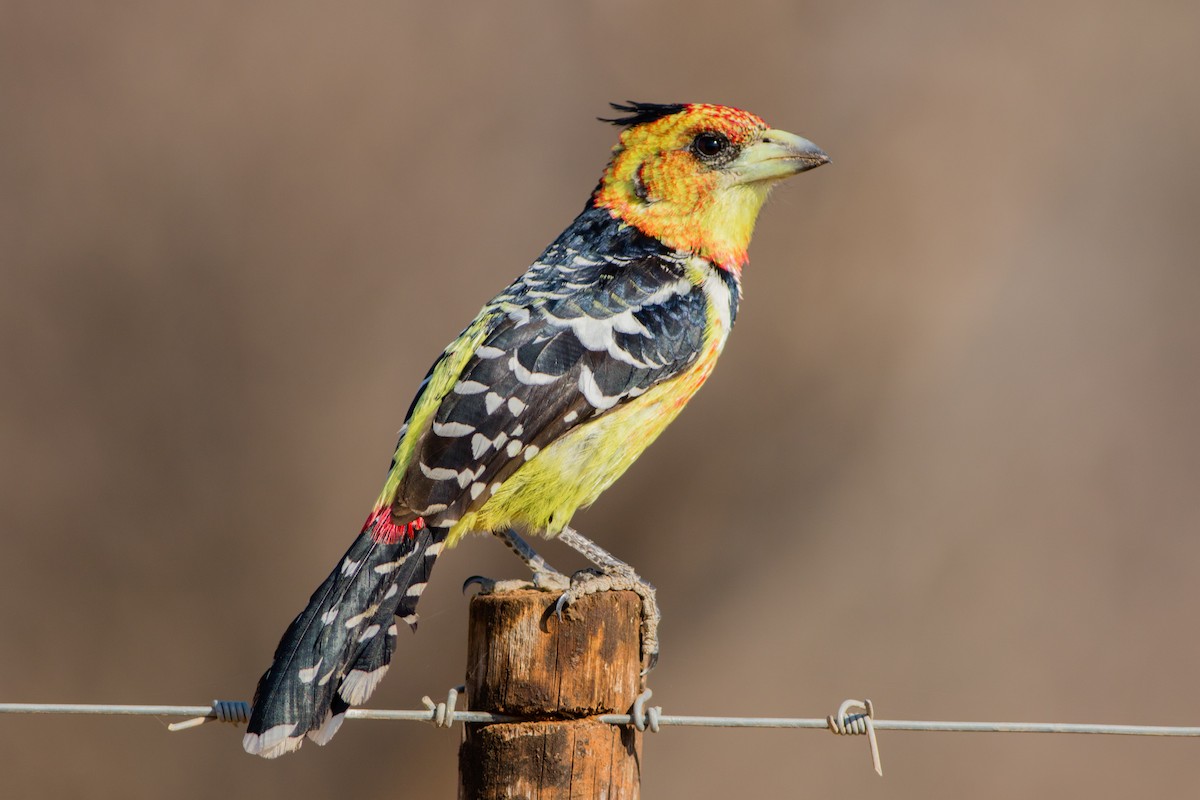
696	179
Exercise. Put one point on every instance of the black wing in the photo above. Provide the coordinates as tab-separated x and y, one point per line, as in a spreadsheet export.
575	343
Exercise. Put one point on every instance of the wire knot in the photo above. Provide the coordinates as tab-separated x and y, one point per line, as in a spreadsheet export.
857	725
442	714
235	712
644	718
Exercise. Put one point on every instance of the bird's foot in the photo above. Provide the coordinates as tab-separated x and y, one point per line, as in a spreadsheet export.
618	577
544	581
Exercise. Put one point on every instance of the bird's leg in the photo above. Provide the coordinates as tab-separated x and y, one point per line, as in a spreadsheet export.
545	577
614	576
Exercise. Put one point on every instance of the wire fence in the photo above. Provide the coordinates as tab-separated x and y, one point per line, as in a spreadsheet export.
664	720
854	717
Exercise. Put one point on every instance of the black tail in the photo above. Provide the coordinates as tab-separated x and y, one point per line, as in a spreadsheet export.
335	653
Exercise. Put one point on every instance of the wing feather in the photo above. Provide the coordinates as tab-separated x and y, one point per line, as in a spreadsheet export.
558	358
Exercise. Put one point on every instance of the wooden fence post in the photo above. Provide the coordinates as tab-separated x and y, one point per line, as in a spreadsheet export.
521	660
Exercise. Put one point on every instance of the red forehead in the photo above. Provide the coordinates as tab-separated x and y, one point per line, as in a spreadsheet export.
735	123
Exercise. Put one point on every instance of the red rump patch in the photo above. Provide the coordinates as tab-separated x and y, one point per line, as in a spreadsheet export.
384	529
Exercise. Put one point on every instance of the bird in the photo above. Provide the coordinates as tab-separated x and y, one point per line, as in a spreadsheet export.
546	398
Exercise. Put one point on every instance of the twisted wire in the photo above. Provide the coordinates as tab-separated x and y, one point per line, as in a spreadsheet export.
857	725
443	714
232	711
644	718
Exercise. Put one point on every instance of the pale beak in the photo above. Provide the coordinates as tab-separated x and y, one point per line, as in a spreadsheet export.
777	155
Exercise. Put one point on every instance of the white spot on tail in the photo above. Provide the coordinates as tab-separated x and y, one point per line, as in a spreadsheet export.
391	566
307	675
349	565
369	633
392	629
391	592
434	549
273	742
329	616
358	684
328	728
415	590
357	619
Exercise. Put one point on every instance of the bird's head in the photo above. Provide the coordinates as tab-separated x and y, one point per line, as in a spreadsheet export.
695	176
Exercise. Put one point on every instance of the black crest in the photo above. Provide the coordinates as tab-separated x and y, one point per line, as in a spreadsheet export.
641	113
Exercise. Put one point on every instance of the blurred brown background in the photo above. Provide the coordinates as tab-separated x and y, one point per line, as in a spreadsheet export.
950	460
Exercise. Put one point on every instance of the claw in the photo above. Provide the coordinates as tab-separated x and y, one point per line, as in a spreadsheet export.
542	581
485	584
621	578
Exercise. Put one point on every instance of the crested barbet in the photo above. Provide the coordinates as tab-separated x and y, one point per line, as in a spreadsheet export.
546	398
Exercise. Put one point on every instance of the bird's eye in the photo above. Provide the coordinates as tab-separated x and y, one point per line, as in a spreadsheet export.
709	144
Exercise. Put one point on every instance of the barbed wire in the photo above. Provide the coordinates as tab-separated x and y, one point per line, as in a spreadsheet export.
641	717
429	715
